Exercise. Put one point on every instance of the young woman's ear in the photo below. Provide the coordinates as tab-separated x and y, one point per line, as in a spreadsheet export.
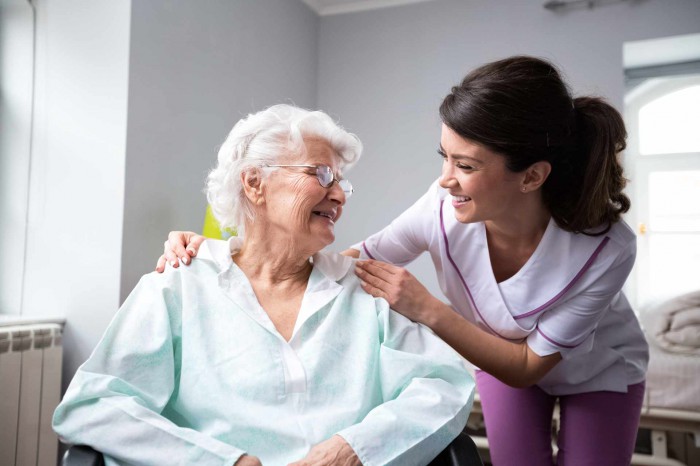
535	176
251	180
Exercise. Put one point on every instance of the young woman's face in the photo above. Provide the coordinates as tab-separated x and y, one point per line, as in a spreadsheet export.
481	186
298	205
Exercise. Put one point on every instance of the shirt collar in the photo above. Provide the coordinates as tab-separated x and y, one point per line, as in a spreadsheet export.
332	265
323	286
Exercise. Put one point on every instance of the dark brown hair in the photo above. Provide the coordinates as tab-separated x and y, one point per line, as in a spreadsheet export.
521	108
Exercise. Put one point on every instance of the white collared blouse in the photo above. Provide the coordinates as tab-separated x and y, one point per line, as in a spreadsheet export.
567	298
192	371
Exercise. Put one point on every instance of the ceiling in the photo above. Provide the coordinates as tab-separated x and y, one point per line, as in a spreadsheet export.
336	7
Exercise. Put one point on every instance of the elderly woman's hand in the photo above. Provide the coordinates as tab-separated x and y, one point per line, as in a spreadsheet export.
334	451
248	460
180	245
404	293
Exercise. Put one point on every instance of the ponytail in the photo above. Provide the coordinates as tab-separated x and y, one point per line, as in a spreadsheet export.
584	190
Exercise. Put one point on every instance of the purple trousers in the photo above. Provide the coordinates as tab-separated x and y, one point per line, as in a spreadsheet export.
596	428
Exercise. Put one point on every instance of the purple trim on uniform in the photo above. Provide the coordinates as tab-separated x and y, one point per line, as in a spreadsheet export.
367	251
580	273
464	283
557	343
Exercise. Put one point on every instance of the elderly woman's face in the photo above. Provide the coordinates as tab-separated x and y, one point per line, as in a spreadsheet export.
297	204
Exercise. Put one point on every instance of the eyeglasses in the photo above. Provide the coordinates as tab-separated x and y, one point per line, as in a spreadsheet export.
325	177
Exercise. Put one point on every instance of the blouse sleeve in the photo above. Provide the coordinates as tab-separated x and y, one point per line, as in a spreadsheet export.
115	399
407	237
428	394
569	328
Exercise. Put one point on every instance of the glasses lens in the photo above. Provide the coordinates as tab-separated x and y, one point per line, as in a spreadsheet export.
346	186
324	175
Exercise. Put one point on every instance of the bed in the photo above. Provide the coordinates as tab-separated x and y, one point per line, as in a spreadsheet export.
672	401
672	408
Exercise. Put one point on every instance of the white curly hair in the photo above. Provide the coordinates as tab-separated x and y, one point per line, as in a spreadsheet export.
260	139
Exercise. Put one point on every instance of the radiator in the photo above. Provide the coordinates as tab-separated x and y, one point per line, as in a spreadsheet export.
30	389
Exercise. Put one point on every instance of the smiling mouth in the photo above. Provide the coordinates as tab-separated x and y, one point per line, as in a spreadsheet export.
329	215
458	200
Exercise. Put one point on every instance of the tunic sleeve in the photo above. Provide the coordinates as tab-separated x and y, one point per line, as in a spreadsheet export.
407	237
569	328
427	395
115	399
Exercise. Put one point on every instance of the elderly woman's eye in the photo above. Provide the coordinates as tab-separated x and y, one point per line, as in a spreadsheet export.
461	166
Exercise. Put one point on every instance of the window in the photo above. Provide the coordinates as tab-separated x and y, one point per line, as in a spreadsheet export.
663	163
669	124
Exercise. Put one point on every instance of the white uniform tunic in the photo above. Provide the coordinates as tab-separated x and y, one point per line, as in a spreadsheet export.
567	298
193	371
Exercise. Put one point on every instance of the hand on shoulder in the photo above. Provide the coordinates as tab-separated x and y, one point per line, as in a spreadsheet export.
180	245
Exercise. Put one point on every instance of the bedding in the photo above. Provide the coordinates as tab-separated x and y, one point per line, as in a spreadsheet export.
673	380
675	325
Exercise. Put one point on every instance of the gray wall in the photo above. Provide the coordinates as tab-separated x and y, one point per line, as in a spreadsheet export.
384	74
196	68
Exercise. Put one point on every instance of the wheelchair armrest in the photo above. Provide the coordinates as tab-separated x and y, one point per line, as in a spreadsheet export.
461	452
82	455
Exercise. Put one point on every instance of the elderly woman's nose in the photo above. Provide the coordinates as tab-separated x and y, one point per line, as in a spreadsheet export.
336	193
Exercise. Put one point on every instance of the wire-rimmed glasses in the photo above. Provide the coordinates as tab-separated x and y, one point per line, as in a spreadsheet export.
325	177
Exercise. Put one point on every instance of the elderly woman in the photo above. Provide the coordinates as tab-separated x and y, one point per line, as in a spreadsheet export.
271	354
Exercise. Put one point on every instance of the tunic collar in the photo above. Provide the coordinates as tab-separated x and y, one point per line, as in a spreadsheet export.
510	309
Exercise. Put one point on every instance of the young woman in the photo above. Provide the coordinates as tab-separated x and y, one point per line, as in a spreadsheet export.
524	229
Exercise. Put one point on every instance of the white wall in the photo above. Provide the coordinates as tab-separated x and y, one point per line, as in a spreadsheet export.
197	68
16	71
384	73
77	175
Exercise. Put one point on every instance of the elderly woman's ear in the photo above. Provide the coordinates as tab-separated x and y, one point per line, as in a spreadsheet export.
251	180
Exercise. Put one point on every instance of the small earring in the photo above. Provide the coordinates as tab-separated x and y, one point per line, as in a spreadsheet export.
523	189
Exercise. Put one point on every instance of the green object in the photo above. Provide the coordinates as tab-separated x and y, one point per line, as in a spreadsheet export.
212	229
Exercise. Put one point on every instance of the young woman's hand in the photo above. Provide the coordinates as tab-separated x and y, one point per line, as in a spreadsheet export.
333	452
398	286
180	245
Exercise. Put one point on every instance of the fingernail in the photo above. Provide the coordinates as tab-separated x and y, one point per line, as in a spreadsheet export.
190	252
363	283
186	260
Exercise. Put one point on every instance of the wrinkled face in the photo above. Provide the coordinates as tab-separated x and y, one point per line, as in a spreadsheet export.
297	205
482	188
